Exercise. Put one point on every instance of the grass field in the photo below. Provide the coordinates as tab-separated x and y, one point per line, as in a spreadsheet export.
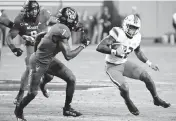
95	96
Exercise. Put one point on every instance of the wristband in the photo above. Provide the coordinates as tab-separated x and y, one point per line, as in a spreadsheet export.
148	63
113	52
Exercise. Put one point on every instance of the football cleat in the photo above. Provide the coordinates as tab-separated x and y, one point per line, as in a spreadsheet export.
159	102
68	111
44	91
132	108
19	114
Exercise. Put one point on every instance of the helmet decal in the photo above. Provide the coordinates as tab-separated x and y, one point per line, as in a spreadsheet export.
71	14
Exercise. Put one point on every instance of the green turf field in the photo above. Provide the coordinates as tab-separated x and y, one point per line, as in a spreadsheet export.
95	96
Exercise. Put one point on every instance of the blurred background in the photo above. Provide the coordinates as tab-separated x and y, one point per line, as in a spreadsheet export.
99	16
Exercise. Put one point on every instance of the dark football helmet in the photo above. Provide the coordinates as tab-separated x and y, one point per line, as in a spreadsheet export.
31	9
69	17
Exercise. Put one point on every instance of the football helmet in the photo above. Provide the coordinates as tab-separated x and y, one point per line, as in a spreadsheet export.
31	9
69	17
131	25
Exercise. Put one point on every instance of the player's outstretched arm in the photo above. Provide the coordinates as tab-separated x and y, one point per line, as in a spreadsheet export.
144	59
6	22
104	45
67	52
9	39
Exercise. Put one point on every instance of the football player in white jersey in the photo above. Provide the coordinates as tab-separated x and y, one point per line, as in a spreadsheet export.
117	46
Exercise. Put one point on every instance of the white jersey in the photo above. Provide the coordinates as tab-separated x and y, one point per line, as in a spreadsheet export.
174	18
129	45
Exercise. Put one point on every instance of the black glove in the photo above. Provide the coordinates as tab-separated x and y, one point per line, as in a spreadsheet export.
17	51
85	41
79	27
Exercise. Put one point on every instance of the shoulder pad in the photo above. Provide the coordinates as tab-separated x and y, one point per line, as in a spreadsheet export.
114	32
174	16
138	37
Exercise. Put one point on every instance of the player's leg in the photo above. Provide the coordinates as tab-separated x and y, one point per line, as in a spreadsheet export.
44	80
60	70
19	109
36	72
115	74
135	72
25	75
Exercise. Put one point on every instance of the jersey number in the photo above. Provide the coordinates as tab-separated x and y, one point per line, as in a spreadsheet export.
127	51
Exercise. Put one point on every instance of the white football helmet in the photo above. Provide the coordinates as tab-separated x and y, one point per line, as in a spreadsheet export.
131	25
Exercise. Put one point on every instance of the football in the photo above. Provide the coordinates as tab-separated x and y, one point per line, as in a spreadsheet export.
120	48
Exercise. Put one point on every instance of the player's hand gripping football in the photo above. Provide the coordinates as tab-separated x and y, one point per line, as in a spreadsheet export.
118	49
17	51
154	67
30	41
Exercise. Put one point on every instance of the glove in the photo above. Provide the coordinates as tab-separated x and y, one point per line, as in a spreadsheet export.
17	51
85	41
30	41
79	27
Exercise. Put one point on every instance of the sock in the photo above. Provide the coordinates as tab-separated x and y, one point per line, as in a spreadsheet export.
26	100
149	84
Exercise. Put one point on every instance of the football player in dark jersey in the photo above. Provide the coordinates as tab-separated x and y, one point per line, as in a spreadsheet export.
55	41
31	20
